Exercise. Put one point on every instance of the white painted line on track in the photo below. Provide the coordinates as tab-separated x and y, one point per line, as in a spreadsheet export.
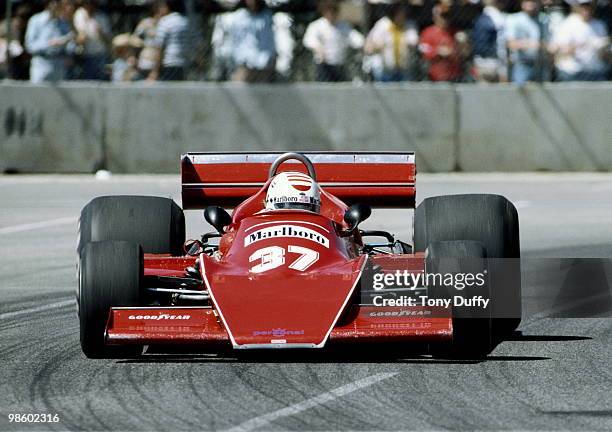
42	308
37	225
321	399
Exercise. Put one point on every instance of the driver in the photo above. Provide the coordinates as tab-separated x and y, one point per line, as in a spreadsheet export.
293	191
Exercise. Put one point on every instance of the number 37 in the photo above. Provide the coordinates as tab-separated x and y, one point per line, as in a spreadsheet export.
274	256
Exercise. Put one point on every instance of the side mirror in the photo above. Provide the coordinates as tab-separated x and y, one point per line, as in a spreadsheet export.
356	214
193	247
217	217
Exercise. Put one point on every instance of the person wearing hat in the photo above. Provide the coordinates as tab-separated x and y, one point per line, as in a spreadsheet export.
125	51
581	45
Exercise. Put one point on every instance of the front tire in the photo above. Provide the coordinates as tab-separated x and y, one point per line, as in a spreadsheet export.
155	223
110	274
491	220
472	325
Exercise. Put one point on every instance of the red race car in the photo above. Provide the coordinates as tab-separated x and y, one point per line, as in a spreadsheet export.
290	268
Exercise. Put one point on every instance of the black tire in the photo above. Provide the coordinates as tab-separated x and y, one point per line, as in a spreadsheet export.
155	223
491	220
472	325
110	274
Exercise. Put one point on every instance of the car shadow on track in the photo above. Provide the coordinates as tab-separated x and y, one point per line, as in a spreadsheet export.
520	337
310	357
159	359
173	354
592	413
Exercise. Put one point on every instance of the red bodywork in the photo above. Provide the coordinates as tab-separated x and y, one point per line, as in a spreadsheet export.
284	279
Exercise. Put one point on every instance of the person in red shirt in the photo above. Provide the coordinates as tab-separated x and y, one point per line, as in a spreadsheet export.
444	48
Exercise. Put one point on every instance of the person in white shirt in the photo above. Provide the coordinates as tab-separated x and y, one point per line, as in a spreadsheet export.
392	46
251	40
285	44
581	45
93	36
222	66
221	42
330	39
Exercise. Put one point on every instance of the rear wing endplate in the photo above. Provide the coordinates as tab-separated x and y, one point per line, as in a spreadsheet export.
226	179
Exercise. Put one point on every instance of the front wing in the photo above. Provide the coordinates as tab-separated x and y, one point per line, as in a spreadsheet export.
201	325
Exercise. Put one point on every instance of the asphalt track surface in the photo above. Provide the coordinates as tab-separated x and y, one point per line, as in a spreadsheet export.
555	374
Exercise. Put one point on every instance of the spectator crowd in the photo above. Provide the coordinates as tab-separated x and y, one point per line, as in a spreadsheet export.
254	41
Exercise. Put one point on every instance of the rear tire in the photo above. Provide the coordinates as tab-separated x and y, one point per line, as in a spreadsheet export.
155	223
491	220
472	325
110	274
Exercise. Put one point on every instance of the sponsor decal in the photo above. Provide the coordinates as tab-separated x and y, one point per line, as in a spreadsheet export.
286	231
410	325
299	181
277	332
159	317
400	313
303	199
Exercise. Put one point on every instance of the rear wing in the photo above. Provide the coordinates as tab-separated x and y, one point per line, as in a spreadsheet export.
226	179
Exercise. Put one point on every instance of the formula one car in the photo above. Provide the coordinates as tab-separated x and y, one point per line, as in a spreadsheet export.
290	268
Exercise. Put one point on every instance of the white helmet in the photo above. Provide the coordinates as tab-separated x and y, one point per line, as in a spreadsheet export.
293	190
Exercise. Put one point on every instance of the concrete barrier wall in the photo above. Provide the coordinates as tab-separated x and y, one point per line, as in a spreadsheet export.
552	127
151	127
51	129
77	127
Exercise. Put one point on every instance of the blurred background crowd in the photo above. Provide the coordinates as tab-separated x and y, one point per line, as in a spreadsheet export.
306	40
